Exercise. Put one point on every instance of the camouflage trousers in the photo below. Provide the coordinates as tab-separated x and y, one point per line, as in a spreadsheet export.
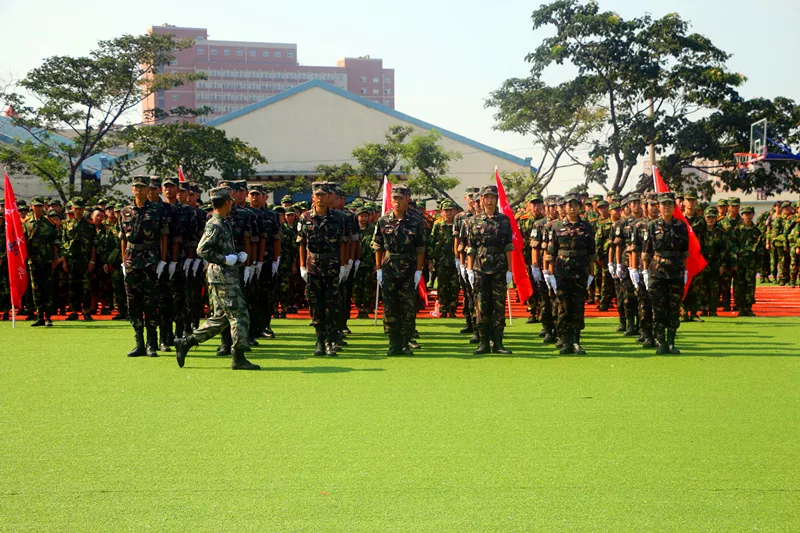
764	266
166	311
260	294
196	294
606	288
469	302
725	285
645	310
594	289
118	287
283	285
571	295
229	311
80	295
42	287
323	299
141	287
448	287
364	288
666	295
783	264
709	287
745	284
694	298
101	289
626	298
491	291
345	301
542	294
399	303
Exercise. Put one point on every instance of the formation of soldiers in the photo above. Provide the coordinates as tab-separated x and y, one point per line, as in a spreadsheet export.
626	252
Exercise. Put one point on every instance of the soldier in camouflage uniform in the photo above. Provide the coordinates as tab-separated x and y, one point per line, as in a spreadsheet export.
230	309
77	238
780	244
182	248
364	278
143	232
42	242
113	261
399	245
288	268
626	292
763	267
603	241
536	218
488	260
442	254
337	200
746	245
727	224
100	286
189	193
570	251
664	258
714	246
693	301
793	239
323	260
459	250
539	242
266	279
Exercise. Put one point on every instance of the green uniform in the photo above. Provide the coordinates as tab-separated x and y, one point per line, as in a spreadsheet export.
41	237
694	298
443	256
727	224
780	245
746	244
289	251
793	242
78	240
364	279
539	241
603	242
714	246
112	256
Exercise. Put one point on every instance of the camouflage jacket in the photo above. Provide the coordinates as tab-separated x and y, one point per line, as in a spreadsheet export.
181	229
746	244
402	239
440	244
270	229
572	248
714	245
215	244
602	237
367	253
141	228
289	248
78	239
538	236
460	223
40	236
244	227
322	236
778	232
667	243
488	241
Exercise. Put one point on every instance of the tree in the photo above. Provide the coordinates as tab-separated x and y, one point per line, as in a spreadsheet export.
427	164
560	119
86	97
624	66
377	160
198	148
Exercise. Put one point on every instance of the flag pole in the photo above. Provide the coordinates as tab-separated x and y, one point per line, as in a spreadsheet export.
508	299
13	317
377	297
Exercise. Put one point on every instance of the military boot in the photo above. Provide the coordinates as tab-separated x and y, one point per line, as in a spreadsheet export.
548	338
649	342
476	338
152	342
631	329
240	363
671	342
182	347
622	327
483	343
224	349
568	346
576	345
468	328
331	349
38	322
560	341
393	350
165	331
498	344
405	347
319	348
139	350
663	347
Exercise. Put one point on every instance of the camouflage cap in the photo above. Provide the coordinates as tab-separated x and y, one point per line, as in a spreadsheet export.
447	204
471	190
584	194
489	189
690	195
37	200
722	202
652	198
734	200
602	203
254	189
401	190
615	205
280	209
597	197
55	201
140	181
287	199
679	195
634	197
219	193
52	213
102	201
475	197
184	186
624	202
535	198
169	180
784	204
154	182
711	211
319	187
22	205
119	206
666	197
363	210
558	200
194	187
747	209
78	202
291	210
225	183
572	197
339	191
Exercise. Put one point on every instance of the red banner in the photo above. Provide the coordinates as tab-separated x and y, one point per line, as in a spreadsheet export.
180	173
518	267
15	245
695	263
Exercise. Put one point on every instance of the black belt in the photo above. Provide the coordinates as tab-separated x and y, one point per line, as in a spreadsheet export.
147	246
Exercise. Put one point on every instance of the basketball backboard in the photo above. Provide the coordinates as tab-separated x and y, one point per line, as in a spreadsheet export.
758	138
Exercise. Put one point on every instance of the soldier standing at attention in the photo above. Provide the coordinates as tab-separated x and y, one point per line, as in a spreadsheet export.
77	237
715	249
442	252
364	283
602	240
42	241
535	219
571	251
793	240
488	261
324	251
626	292
746	244
230	310
114	261
539	235
399	245
143	231
692	302
459	248
728	224
165	307
664	257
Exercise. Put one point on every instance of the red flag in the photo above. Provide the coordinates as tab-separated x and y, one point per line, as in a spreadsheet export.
695	263
11	113
518	267
16	247
180	173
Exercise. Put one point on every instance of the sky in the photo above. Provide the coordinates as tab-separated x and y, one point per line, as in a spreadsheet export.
447	55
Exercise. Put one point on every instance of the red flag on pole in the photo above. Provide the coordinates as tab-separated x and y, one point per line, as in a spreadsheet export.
16	247
10	112
180	173
695	263
387	196
518	267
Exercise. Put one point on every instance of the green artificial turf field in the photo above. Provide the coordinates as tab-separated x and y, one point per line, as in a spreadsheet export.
619	440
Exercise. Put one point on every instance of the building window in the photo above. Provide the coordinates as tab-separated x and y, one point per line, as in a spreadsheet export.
176	97
201	51
239	53
387	102
265	54
200	38
252	53
213	51
363	79
376	80
227	52
277	54
289	54
375	91
363	91
387	81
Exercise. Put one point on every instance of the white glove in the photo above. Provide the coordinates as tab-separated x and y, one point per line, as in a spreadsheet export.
248	274
634	275
196	265
471	277
257	269
458	264
685	277
342	273
356	265
546	276
417	277
463	271
509	277
589	281
553	283
536	272
231	259
379	275
124	272
172	266
160	268
304	274
275	265
620	271
646	278
187	264
241	257
612	269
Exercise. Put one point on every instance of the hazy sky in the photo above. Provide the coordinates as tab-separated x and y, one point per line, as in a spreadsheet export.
447	55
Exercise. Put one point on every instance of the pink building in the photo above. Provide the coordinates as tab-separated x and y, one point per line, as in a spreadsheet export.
240	73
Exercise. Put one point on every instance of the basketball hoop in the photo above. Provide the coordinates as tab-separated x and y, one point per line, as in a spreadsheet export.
744	161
